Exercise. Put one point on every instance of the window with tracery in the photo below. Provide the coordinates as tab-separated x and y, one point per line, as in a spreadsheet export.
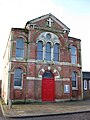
48	47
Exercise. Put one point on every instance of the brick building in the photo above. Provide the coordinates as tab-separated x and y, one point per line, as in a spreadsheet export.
42	62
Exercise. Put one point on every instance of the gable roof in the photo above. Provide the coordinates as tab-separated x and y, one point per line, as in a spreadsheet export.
46	16
70	38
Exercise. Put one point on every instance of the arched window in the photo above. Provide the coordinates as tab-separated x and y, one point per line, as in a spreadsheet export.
56	52
73	55
20	48
74	79
40	50
48	51
18	77
48	74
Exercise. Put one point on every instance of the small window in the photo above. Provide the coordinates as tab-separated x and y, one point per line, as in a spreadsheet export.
40	50
20	48
48	51
74	79
73	55
85	84
56	52
18	77
48	36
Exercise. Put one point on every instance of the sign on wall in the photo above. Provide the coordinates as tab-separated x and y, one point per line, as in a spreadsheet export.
66	89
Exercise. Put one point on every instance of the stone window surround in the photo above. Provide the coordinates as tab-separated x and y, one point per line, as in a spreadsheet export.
19	87
75	88
53	40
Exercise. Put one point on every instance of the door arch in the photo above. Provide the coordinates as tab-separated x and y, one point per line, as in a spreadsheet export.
48	86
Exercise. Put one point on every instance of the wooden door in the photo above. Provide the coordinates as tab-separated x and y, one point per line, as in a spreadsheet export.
48	89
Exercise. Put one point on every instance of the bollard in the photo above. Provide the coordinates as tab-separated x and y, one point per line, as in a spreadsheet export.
10	103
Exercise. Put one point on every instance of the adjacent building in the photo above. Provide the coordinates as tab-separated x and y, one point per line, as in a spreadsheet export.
86	85
42	62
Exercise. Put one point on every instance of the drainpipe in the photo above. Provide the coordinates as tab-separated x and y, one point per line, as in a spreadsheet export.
27	51
81	72
9	73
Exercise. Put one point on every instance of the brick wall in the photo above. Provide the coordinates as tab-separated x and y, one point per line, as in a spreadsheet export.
33	69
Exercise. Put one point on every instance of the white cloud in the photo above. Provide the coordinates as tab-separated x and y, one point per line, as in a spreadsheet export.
15	13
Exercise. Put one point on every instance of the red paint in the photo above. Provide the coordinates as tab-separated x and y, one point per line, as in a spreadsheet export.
48	89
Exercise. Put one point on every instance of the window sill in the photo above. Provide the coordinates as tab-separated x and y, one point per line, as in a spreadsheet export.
74	88
85	89
47	61
19	58
17	87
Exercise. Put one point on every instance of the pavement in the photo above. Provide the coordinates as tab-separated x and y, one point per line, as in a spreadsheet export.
45	109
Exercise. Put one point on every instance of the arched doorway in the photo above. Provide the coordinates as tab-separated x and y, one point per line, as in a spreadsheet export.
48	86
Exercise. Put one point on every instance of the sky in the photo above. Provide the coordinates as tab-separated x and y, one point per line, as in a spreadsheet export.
75	14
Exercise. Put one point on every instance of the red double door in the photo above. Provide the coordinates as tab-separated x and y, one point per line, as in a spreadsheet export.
48	89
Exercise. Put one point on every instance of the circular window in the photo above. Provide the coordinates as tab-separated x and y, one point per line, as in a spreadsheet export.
48	36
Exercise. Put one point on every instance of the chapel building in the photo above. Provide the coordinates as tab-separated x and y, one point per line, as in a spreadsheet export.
42	63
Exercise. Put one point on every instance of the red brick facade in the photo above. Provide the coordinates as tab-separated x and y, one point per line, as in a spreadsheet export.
34	69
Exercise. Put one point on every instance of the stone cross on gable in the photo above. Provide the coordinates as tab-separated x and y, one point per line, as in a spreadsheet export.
50	21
